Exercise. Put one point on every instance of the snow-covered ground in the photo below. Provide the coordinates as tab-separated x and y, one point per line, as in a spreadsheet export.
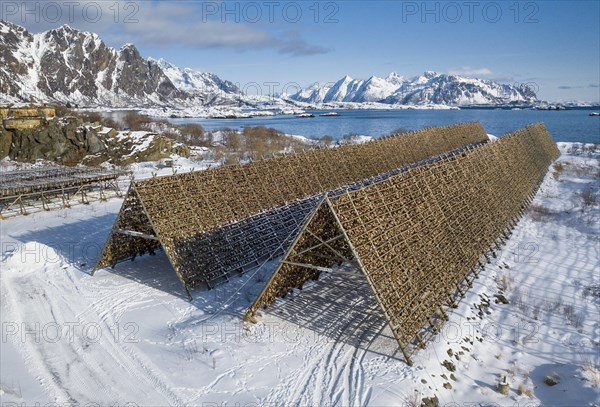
129	335
267	106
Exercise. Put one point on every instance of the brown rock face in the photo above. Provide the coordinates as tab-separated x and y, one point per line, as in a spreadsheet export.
138	77
11	41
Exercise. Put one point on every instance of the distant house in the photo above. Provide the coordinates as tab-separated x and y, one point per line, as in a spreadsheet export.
19	118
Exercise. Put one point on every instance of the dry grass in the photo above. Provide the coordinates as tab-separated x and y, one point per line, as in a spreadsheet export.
591	373
588	198
558	170
523	390
413	400
506	282
538	213
511	371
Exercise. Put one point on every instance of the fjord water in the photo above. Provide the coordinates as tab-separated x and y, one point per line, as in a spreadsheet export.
563	125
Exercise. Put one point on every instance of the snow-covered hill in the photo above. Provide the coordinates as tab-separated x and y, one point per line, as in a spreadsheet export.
431	88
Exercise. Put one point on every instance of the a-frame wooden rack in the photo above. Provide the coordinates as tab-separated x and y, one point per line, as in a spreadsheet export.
420	237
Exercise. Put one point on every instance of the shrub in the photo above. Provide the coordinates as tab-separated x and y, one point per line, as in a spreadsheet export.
136	121
232	139
348	138
589	198
62	111
91	117
193	134
262	141
558	170
108	122
326	140
538	213
231	159
525	391
591	373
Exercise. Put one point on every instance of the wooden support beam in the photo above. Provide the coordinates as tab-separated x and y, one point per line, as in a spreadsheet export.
328	245
308	266
133	233
318	246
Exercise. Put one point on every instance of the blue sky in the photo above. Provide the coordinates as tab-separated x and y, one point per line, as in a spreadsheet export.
553	46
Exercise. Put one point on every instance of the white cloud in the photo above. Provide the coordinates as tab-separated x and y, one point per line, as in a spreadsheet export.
471	72
299	47
157	24
168	24
172	24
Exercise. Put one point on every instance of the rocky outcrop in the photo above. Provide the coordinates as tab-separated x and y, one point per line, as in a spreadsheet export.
130	147
68	141
65	142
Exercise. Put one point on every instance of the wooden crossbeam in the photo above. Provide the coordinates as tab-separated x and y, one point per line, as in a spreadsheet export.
133	233
323	243
328	245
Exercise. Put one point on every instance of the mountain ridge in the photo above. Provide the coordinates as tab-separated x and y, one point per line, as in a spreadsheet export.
430	88
66	65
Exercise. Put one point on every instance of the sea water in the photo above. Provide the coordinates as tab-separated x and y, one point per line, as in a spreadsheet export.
563	125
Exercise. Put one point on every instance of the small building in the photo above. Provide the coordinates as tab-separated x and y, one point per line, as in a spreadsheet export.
47	111
28	117
21	123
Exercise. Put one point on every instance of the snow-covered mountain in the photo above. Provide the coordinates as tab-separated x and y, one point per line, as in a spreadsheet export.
67	65
207	86
431	88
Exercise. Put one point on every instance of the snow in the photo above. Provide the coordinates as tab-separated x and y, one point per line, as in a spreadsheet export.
130	335
105	130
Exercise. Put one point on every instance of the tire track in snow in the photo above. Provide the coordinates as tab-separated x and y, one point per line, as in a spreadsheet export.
332	372
110	309
80	373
